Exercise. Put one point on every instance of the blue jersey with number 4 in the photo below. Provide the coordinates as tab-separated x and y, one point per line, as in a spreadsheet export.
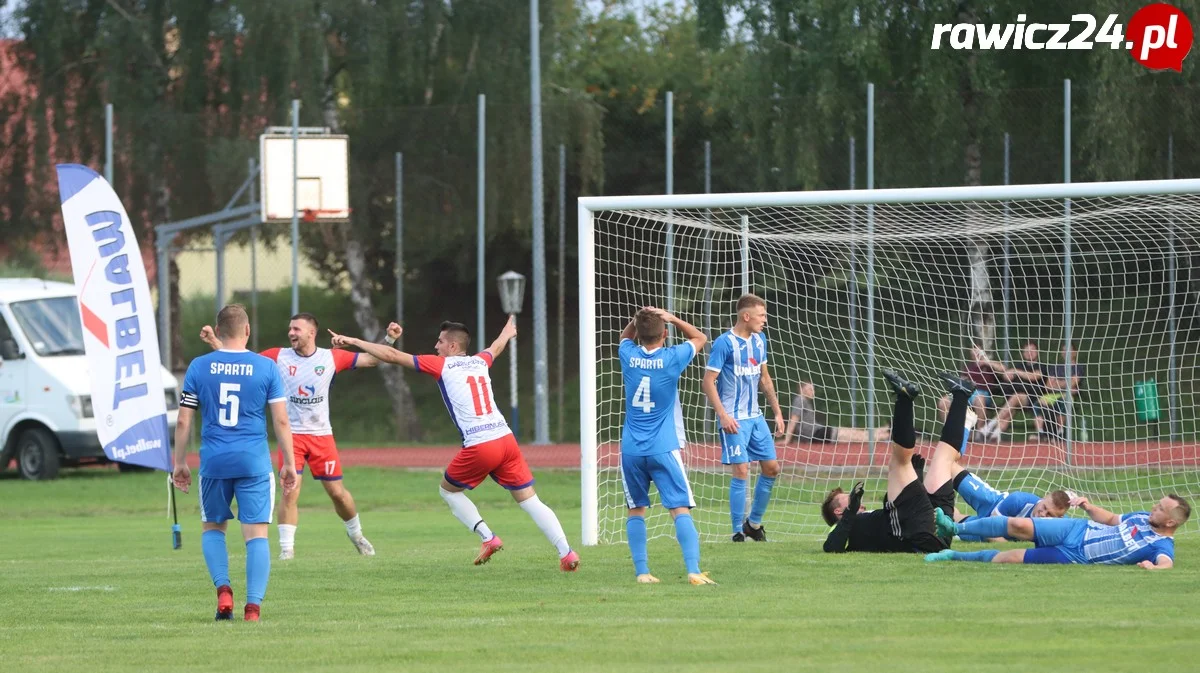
232	390
652	424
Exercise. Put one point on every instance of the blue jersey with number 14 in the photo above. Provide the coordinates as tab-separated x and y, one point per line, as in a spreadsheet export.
232	390
652	425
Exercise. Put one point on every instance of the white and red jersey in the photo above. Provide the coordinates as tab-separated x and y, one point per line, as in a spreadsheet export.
467	392
306	380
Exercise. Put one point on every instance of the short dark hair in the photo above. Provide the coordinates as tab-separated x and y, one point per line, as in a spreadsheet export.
748	301
649	325
458	332
306	316
1184	509
1060	500
230	319
829	505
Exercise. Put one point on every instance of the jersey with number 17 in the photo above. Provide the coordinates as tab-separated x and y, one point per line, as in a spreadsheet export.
232	390
653	424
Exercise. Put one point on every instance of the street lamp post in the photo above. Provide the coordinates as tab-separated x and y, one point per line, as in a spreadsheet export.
512	296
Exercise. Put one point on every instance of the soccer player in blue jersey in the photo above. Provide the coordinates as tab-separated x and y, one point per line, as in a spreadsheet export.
653	435
1145	539
232	388
736	370
987	501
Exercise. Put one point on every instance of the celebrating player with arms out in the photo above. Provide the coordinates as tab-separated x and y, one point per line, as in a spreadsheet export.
651	439
231	387
737	368
308	373
489	448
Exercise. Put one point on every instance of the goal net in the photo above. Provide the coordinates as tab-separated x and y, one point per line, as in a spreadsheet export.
859	281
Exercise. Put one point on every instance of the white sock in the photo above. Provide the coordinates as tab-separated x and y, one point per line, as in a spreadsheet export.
287	536
990	428
465	511
353	527
545	519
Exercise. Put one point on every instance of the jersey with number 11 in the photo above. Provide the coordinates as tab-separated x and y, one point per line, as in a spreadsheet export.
467	391
232	390
653	424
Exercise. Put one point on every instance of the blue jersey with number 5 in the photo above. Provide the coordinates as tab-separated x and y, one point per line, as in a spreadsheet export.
232	390
653	424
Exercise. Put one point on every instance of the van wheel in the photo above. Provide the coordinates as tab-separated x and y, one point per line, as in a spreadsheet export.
37	455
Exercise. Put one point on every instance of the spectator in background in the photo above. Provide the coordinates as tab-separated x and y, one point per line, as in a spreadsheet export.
1052	405
986	374
1024	383
805	427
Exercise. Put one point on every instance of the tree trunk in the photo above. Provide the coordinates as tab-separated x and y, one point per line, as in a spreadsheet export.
982	319
408	427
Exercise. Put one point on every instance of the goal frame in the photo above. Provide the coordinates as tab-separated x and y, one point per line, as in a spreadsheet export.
589	205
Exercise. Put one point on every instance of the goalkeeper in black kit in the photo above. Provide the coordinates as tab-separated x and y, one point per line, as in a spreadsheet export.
916	517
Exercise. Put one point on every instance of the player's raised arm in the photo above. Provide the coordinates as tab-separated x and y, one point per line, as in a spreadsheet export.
630	330
1097	514
367	360
690	332
381	352
208	336
506	334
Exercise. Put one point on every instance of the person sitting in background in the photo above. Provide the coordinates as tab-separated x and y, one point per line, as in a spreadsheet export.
985	373
1024	384
805	427
1052	404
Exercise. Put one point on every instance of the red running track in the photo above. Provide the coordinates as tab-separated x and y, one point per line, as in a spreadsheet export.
1003	455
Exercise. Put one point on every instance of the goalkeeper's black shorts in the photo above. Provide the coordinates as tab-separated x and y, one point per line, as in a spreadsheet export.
912	520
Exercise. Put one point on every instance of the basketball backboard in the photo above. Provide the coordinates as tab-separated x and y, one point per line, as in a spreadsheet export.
322	175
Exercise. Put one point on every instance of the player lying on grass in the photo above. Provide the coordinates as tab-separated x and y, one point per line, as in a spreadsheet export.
652	437
308	373
489	448
1145	539
907	522
987	501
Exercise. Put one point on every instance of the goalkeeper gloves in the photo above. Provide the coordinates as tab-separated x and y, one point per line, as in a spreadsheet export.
856	495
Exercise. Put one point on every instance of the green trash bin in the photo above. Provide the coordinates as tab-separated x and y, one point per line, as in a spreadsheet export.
1145	400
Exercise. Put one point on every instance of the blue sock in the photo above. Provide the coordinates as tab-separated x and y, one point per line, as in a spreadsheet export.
635	531
982	556
762	495
986	527
216	557
689	542
737	503
258	569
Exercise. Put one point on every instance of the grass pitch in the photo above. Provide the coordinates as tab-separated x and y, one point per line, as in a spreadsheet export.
89	583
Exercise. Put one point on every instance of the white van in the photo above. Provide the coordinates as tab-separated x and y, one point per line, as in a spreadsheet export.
46	416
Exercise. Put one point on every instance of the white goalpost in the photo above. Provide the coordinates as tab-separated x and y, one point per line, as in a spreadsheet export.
911	279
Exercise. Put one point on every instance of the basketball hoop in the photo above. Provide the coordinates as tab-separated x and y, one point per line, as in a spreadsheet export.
314	214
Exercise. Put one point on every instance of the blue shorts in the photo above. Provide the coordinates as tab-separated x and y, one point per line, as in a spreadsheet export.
1065	536
255	498
753	441
667	473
